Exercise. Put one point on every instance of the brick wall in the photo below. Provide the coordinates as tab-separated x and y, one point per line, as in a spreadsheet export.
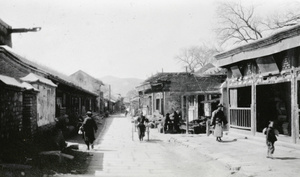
11	107
29	114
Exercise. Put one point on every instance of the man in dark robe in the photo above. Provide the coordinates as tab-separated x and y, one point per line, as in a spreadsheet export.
89	128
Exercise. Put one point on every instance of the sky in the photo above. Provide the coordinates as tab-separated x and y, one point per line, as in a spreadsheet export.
121	38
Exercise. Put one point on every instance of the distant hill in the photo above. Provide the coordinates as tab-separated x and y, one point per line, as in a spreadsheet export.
121	85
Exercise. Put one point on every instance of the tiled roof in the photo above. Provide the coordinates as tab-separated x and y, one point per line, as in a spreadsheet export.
210	69
52	74
35	78
13	82
186	82
166	76
282	40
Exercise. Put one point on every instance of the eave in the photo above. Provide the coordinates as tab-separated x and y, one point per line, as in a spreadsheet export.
275	43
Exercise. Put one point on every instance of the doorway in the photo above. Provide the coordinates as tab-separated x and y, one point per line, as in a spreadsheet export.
274	104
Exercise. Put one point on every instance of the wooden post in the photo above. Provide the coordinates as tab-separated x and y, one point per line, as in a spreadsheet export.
229	105
182	106
164	101
253	107
148	132
294	108
133	127
196	106
225	99
187	116
153	108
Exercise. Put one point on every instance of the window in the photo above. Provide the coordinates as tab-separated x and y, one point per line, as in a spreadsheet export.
240	97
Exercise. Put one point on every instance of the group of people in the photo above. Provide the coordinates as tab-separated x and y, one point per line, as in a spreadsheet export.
171	122
219	120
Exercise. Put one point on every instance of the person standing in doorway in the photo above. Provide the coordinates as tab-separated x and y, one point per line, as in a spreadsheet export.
218	121
89	128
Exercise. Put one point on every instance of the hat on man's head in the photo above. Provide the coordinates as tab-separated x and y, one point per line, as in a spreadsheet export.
220	105
89	112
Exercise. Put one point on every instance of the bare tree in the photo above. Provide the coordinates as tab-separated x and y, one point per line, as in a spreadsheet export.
241	24
131	94
286	16
195	57
238	23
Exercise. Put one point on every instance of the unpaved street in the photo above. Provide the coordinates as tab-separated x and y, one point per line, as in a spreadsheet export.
116	154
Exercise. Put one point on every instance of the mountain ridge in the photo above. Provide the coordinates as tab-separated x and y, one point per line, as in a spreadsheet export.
121	85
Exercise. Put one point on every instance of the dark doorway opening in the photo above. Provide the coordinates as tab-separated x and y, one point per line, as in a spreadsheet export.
274	104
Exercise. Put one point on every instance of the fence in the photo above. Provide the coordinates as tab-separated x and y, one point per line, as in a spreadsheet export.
240	118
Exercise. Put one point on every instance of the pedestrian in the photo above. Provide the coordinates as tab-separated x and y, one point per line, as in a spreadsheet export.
89	127
126	111
167	122
176	121
218	121
271	134
141	126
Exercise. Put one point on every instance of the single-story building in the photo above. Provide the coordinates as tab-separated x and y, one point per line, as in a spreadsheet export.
193	95
263	84
17	119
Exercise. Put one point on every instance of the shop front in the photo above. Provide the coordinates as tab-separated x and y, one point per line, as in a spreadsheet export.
263	84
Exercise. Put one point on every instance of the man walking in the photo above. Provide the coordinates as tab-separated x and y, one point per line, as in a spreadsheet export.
89	127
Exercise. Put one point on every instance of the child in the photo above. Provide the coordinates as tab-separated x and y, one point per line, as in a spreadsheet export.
271	134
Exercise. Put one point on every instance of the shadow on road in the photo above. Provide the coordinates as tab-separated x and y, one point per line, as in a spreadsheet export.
107	150
285	158
228	141
153	141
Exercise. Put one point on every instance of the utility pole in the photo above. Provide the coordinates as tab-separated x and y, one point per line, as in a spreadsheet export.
109	95
99	99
